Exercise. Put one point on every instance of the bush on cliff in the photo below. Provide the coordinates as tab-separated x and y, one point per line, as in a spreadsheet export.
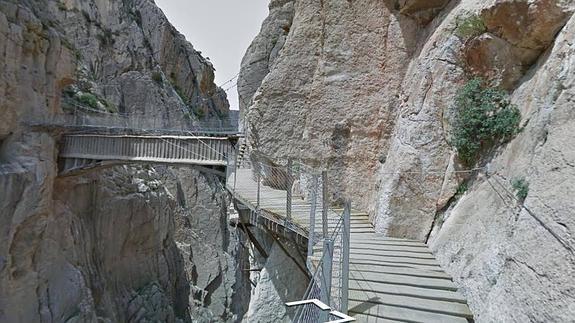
470	26
484	118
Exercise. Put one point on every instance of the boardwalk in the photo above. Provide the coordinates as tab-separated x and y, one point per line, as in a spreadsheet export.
272	202
391	280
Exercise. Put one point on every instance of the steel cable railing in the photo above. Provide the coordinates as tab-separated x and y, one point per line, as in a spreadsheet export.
85	118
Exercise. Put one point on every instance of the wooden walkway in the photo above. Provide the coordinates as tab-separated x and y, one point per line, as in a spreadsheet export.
391	280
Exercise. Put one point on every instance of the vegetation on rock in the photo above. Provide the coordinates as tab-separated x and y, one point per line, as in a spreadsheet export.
521	187
157	77
484	118
199	112
461	189
470	26
89	100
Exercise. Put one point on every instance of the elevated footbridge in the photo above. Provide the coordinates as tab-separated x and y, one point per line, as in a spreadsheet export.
89	141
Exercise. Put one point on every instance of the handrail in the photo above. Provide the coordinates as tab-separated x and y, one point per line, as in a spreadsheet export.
328	241
136	122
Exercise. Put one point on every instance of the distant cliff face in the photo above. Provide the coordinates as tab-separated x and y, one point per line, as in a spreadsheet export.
367	90
114	245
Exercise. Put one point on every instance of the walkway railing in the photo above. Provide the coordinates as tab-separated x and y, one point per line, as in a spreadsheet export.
197	150
328	259
137	122
297	197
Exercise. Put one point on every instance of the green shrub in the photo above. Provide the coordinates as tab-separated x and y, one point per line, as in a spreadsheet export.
110	107
181	94
89	100
157	77
521	187
199	112
470	26
461	189
484	118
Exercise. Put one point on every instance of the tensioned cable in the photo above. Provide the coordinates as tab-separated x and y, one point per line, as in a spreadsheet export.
510	194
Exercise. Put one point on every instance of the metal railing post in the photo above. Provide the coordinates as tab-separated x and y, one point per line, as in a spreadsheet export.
289	184
311	234
228	170
326	273
325	202
258	178
237	169
345	261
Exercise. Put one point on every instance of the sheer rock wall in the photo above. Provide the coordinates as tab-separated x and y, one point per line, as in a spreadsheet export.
113	245
366	89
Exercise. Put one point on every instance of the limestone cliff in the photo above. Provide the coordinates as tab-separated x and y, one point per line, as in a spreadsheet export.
128	243
367	89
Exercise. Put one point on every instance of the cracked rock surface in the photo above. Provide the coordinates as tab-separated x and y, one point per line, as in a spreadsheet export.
112	245
366	89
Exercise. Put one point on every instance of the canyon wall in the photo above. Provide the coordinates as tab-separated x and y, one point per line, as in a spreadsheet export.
129	243
367	89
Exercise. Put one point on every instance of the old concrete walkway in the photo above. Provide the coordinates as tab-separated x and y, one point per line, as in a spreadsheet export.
391	280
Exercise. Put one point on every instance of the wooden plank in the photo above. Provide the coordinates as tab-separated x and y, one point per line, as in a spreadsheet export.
375	288
415	303
362	318
394	264
398	279
388	247
373	309
406	271
393	259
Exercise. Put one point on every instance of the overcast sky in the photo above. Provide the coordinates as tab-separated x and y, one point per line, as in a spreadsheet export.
221	29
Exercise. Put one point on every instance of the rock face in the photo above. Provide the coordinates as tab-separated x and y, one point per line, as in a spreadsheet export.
421	10
523	257
212	250
366	89
516	34
119	245
344	69
278	279
264	50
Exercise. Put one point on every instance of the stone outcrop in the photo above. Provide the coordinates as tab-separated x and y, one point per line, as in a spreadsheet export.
332	90
213	252
263	51
366	89
421	10
278	278
522	255
516	34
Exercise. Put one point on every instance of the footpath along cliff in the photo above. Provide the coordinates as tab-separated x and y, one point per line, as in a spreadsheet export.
379	93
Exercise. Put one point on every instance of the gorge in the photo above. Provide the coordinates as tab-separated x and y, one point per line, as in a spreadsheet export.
371	91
